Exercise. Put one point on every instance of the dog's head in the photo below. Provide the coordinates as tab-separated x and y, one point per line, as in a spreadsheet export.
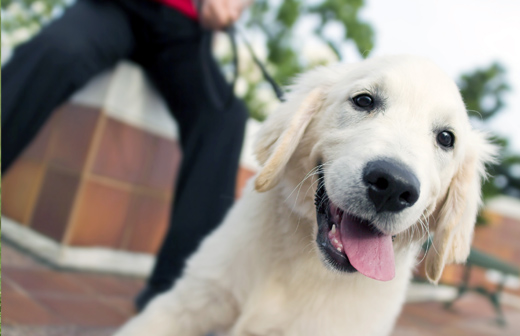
387	147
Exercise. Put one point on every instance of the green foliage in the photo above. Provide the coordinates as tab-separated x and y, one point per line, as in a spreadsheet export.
345	13
18	14
483	92
284	54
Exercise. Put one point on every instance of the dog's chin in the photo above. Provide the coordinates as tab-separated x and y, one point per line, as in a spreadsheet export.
331	235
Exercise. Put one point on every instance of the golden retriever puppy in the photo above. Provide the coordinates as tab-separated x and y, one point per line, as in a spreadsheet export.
359	166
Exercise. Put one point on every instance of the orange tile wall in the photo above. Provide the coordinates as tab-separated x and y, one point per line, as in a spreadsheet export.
90	180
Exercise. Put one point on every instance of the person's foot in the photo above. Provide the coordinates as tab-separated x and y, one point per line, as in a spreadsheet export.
147	294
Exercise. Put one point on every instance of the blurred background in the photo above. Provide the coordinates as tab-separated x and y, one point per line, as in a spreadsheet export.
85	208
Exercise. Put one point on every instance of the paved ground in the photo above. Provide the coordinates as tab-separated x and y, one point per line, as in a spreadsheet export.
40	301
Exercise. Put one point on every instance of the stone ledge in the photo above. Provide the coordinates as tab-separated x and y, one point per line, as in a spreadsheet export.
78	258
126	94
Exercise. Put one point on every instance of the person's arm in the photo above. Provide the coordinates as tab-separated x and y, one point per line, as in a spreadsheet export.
219	14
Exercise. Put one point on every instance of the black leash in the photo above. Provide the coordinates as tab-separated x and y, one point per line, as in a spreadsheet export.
276	88
210	83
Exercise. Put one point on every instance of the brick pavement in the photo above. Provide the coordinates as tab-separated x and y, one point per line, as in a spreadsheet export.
38	300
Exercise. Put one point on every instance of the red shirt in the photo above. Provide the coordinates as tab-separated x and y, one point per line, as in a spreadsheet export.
186	7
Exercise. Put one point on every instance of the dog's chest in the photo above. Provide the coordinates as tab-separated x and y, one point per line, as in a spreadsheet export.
317	309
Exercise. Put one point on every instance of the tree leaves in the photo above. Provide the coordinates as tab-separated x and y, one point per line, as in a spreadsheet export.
18	14
483	91
347	14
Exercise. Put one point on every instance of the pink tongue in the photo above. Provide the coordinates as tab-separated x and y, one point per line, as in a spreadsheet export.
371	253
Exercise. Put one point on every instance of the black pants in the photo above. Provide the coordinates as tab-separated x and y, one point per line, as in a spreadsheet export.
92	36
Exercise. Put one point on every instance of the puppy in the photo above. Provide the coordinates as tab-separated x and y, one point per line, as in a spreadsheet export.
359	167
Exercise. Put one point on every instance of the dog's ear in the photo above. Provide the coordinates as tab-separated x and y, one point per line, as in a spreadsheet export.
457	214
280	137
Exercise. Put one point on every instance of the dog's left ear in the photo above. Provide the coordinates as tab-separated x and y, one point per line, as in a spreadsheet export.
457	215
281	137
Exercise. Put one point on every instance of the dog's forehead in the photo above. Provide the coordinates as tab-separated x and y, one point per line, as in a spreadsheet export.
409	81
417	77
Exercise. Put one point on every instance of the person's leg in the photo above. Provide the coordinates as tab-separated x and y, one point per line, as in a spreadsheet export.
90	37
212	129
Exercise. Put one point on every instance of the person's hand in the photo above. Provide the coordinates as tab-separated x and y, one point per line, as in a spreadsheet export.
219	14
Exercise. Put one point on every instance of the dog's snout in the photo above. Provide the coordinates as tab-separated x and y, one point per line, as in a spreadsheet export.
391	186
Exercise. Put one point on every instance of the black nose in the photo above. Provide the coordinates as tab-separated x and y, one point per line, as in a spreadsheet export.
391	186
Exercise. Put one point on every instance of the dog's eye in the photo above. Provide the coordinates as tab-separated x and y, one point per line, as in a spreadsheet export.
363	100
446	139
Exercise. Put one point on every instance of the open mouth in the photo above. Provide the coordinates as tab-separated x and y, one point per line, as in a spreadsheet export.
350	243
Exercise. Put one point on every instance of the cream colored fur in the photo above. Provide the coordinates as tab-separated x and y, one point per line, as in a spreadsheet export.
261	274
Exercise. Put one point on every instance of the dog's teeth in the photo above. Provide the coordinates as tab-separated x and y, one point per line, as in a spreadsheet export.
339	249
335	241
333	230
